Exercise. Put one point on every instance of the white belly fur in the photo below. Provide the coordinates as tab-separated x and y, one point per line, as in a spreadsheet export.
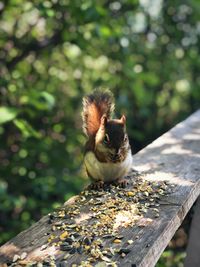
107	171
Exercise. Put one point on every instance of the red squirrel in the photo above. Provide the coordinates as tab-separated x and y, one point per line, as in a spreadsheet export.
107	156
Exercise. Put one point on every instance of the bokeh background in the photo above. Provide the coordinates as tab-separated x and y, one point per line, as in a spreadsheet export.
52	52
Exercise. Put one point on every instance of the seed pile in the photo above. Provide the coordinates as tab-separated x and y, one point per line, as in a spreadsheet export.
93	225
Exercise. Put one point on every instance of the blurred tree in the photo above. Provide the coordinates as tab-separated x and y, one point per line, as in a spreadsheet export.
52	53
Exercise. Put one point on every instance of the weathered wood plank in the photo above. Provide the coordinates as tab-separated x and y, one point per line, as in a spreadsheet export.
193	249
174	158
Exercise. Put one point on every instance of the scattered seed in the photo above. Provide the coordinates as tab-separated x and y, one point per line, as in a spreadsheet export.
117	241
23	255
76	235
64	235
53	228
80	250
16	258
86	237
101	264
130	194
87	247
106	259
58	223
87	240
124	250
72	226
69	240
65	247
119	236
107	236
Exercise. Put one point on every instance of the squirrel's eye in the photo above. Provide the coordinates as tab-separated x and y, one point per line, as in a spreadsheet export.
106	139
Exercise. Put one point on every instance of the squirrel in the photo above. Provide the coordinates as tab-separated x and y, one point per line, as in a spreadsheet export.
107	156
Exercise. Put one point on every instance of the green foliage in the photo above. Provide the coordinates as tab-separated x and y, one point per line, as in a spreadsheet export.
51	54
7	114
171	259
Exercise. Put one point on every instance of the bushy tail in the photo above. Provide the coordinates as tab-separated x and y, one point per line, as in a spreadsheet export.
95	105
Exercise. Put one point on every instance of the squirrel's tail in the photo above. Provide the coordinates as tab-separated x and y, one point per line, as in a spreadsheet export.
95	105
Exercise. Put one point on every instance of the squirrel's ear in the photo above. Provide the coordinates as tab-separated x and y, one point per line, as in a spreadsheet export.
123	119
104	120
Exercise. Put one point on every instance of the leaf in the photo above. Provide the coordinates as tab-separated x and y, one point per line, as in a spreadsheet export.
41	101
105	31
7	114
26	129
50	100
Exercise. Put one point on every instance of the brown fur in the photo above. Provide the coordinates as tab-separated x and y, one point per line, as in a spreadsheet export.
116	131
90	144
97	123
96	105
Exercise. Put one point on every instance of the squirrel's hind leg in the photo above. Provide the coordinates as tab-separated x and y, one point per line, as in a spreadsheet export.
95	184
121	182
98	185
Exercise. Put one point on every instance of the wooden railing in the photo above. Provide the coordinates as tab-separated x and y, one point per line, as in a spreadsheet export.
123	227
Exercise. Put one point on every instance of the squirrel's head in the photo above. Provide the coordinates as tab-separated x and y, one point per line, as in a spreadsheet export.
111	140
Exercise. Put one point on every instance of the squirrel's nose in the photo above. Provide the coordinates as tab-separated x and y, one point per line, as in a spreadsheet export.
117	151
116	156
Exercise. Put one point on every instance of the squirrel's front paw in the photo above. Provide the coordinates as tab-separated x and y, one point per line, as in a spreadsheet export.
121	182
96	185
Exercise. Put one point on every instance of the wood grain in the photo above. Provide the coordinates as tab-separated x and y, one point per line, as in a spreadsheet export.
193	249
174	158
